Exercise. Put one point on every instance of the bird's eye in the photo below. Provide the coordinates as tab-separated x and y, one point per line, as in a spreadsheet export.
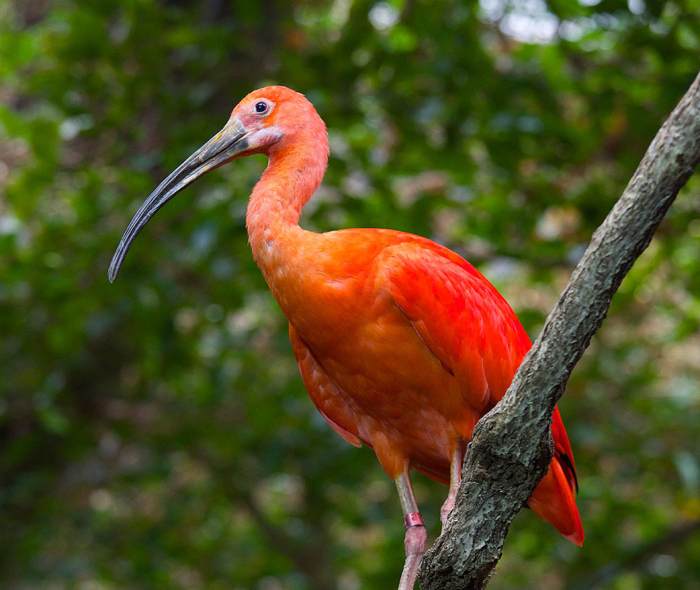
261	107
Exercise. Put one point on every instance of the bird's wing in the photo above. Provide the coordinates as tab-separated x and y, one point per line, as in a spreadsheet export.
458	314
476	335
328	398
466	323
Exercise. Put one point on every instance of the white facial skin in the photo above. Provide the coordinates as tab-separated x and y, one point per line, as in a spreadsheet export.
263	138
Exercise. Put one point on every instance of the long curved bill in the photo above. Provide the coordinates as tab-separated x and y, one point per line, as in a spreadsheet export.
224	146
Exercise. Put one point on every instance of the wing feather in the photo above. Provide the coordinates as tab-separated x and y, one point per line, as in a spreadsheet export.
459	315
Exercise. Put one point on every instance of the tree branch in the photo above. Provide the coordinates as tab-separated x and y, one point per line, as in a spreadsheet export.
511	446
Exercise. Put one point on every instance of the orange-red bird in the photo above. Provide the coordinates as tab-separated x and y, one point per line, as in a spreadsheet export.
402	344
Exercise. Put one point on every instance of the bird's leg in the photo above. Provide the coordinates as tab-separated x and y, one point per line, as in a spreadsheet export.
416	536
455	478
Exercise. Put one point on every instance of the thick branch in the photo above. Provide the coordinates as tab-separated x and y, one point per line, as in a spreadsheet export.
511	446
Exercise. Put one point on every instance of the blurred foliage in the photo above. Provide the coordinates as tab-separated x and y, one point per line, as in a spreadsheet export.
155	433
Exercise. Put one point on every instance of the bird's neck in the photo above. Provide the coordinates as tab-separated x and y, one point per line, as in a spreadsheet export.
272	219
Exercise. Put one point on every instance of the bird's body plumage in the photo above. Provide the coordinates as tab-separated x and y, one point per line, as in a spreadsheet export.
403	346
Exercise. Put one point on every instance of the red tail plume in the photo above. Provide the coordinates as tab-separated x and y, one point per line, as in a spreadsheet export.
554	497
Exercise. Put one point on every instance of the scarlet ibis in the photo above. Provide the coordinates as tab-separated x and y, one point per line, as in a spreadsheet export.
401	343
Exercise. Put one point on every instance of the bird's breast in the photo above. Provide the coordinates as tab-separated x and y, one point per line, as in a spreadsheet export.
372	352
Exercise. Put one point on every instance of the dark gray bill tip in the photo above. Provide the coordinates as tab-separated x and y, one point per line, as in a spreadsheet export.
116	263
224	146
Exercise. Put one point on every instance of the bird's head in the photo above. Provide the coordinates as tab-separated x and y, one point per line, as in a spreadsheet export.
273	120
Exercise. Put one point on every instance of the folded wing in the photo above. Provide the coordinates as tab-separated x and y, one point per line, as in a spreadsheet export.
475	334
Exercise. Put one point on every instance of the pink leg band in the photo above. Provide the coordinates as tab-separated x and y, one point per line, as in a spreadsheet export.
413	519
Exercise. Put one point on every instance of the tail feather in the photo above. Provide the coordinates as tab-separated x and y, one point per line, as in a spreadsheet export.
562	448
554	497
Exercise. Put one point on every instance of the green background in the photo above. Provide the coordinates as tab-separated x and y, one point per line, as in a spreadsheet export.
154	433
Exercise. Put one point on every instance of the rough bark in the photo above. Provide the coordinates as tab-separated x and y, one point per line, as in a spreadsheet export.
511	445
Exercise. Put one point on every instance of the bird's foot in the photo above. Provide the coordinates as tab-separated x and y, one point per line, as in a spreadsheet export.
415	541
